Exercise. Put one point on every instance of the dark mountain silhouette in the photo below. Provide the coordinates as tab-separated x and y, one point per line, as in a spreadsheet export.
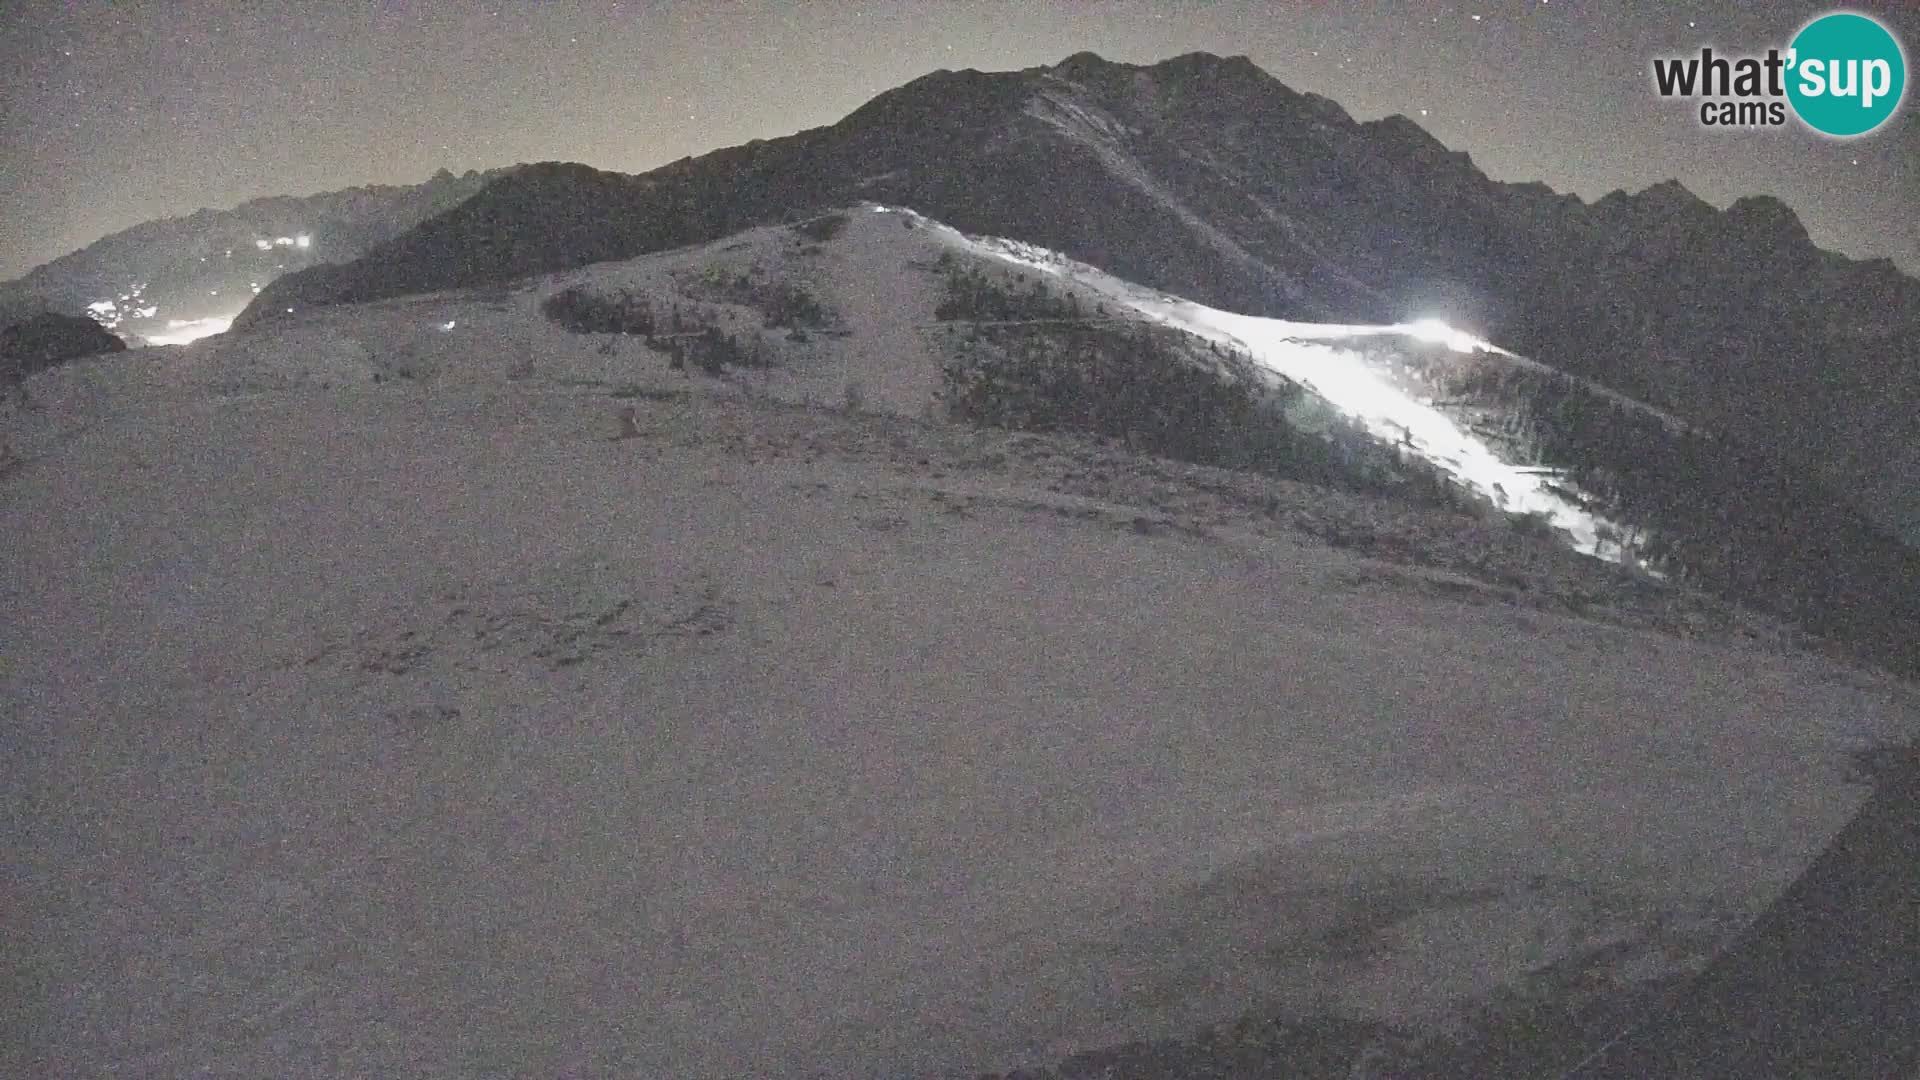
1207	177
205	264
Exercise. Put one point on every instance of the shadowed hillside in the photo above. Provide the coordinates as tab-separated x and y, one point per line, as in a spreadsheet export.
48	339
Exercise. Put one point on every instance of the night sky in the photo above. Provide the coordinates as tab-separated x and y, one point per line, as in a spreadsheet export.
115	113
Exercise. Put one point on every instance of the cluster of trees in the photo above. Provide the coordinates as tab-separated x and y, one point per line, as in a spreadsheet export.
782	304
786	305
689	336
585	312
972	294
1164	392
822	228
1727	517
712	350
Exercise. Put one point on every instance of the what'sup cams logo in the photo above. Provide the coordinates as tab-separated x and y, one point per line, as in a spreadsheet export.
1844	75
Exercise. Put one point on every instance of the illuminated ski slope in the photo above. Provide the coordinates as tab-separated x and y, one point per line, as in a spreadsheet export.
1344	378
1313	355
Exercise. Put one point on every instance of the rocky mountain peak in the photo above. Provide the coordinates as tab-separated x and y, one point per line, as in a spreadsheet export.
1207	177
1670	197
1401	136
1081	64
1768	224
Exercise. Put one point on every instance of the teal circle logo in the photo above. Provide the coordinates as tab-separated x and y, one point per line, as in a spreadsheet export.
1846	74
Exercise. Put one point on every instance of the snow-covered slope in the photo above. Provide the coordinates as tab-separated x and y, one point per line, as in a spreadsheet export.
1419	408
1207	177
538	709
880	281
856	308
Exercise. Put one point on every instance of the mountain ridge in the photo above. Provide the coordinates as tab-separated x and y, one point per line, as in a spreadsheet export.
945	101
206	264
1207	177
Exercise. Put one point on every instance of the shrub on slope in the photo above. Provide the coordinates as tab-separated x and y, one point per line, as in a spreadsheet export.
586	312
688	335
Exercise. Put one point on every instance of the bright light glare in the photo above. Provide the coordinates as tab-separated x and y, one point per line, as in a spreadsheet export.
1439	333
1355	385
1344	379
181	331
1428	330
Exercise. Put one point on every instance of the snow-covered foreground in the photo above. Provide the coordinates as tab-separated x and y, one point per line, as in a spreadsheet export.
427	730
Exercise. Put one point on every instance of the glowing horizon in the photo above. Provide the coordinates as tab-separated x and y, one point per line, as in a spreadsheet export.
183	331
